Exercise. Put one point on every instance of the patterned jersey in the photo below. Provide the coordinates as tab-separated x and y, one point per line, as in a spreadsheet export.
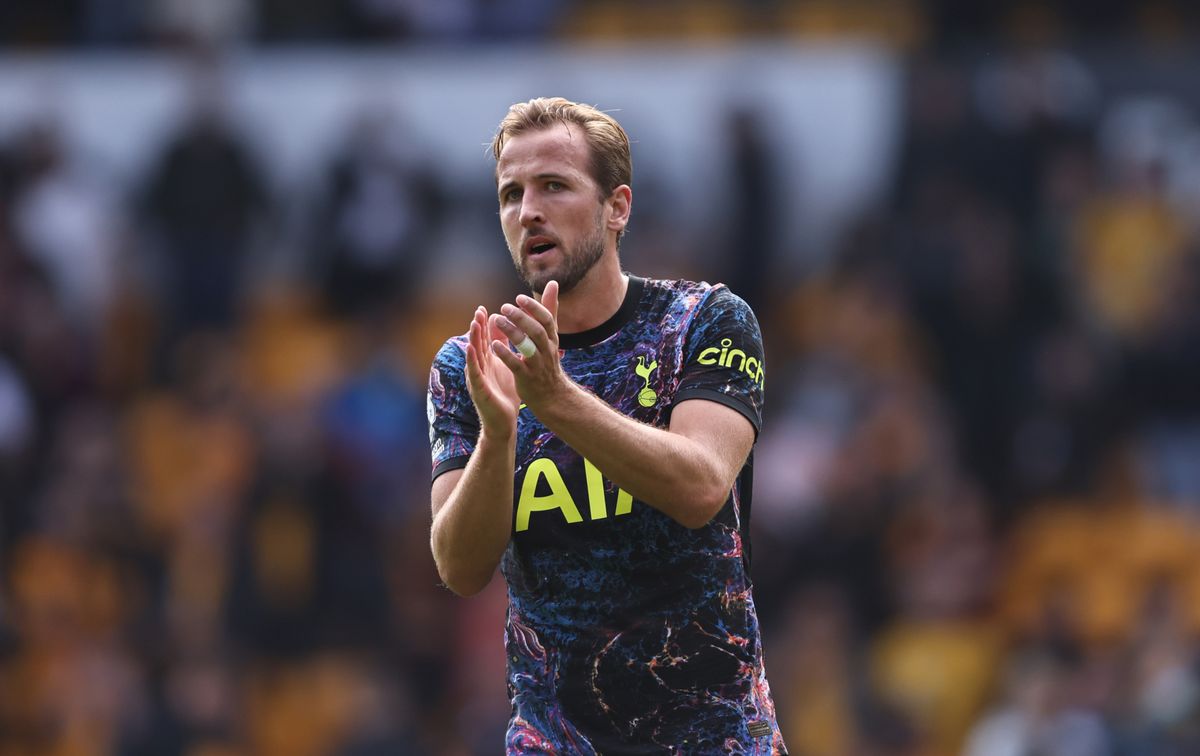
628	633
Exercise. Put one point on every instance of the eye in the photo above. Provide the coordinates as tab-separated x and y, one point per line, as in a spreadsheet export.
510	195
555	186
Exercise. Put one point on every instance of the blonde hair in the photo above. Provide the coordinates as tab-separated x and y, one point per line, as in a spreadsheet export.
611	164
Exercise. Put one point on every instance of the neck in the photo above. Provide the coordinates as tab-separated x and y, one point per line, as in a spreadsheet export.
595	299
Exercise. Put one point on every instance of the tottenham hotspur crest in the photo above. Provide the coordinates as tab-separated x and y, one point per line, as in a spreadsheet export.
646	397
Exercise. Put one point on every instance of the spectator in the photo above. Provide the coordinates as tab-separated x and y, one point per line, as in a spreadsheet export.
204	197
382	202
70	223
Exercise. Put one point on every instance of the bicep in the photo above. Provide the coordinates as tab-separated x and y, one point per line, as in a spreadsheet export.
443	486
724	432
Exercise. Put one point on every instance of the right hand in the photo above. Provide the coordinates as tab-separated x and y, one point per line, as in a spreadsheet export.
489	381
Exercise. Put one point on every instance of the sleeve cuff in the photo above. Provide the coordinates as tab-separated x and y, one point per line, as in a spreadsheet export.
716	396
446	465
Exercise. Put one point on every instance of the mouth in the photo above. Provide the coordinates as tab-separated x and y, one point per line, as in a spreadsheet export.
539	245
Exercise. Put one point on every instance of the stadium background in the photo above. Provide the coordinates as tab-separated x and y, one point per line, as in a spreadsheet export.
233	233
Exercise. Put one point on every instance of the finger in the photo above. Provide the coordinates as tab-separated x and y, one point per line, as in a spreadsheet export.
537	310
509	330
493	327
526	328
511	360
550	300
496	327
499	337
474	376
522	321
476	331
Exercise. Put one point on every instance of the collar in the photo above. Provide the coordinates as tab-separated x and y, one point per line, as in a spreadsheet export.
624	313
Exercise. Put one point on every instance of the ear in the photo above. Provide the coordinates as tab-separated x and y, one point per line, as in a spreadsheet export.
619	203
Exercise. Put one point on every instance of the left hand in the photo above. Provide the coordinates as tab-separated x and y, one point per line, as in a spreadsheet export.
540	375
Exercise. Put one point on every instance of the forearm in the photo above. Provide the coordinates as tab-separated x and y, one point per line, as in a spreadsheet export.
666	470
471	529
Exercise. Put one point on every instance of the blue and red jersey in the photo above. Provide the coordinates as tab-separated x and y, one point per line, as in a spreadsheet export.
628	633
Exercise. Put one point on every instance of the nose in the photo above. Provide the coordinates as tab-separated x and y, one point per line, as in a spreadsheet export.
531	211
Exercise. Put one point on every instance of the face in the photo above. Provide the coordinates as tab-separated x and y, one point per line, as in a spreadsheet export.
553	216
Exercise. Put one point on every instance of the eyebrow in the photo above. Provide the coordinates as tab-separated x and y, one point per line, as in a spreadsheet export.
500	190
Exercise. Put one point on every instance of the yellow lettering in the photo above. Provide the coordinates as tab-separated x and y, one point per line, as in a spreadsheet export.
597	502
735	353
754	369
624	502
558	498
733	358
597	506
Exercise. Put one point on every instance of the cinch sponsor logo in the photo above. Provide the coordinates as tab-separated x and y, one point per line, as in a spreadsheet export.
560	497
733	358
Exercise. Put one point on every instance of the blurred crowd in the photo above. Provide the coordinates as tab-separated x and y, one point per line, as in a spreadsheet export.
170	23
977	491
982	475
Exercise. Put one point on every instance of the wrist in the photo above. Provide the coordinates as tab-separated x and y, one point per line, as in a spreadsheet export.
557	403
499	435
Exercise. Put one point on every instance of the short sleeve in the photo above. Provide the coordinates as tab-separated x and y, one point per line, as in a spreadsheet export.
453	422
723	356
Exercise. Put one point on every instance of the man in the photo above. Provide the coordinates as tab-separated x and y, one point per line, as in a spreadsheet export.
627	413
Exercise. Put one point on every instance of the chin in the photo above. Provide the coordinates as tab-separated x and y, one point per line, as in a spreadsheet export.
537	279
537	282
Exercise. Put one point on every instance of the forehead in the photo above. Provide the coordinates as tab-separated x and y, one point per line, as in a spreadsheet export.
560	148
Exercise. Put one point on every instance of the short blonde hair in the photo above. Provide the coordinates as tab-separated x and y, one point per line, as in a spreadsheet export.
611	164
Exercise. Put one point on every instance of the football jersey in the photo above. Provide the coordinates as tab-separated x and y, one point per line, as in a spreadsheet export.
628	633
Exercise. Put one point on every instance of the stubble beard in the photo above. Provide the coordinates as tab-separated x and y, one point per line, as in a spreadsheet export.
576	264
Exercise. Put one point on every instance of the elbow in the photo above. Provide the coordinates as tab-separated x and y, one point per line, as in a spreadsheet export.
702	507
461	577
694	521
462	582
461	571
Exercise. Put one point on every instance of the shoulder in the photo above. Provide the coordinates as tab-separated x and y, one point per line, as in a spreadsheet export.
676	289
720	299
674	299
449	364
452	352
690	301
693	293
